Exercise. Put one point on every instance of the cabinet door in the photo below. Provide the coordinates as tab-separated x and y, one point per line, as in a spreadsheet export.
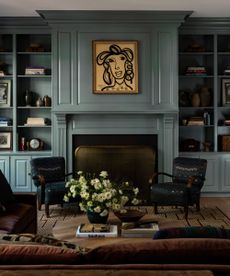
4	166
225	173
211	183
20	178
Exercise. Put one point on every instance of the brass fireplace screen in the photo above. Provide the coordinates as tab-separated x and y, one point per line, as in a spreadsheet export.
134	163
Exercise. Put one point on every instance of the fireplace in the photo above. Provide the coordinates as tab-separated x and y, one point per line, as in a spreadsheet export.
125	157
155	130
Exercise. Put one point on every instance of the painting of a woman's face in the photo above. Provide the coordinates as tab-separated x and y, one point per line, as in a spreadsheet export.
117	65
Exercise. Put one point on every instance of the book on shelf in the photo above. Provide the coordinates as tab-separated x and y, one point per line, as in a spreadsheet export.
196	121
139	230
35	71
97	231
227	122
32	121
196	70
4	121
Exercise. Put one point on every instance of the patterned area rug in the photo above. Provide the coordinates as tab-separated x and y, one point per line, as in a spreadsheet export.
169	216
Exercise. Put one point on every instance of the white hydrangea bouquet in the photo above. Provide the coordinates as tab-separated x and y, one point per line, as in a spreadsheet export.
99	194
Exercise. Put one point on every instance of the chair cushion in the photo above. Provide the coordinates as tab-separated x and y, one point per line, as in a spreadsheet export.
16	217
168	193
6	194
54	192
192	232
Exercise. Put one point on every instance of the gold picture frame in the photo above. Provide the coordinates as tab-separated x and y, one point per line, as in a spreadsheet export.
115	67
5	140
226	92
5	93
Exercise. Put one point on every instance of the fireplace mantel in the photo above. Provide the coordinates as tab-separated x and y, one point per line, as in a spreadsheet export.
153	110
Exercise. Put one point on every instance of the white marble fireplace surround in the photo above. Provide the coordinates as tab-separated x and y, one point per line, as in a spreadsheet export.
162	125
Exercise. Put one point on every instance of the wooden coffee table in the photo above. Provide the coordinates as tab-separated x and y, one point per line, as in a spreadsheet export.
66	230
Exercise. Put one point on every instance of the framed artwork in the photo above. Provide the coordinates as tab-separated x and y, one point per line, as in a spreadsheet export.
115	67
225	92
5	92
5	140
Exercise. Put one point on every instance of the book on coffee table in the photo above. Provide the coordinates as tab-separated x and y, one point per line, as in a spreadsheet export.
96	230
139	230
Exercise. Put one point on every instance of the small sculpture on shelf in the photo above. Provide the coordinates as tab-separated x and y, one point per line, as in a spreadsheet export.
184	98
39	102
205	96
3	69
22	144
28	98
46	100
195	100
207	146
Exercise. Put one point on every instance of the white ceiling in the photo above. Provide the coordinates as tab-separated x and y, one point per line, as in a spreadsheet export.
201	8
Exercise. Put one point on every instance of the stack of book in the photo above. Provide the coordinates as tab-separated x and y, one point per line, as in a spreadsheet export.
139	229
227	122
196	70
196	121
5	122
35	71
97	231
36	121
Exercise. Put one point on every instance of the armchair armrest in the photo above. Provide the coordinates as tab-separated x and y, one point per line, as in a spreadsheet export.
40	179
71	173
194	179
151	180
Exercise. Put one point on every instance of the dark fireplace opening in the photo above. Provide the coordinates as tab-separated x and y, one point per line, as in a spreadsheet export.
133	156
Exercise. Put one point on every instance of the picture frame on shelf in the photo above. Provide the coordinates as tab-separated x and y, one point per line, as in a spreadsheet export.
226	92
5	140
115	67
5	93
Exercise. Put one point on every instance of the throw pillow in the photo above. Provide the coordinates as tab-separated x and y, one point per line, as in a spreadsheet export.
40	239
192	232
6	194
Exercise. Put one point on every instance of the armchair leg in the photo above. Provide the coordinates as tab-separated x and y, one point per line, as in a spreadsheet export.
39	205
155	208
198	205
47	210
186	212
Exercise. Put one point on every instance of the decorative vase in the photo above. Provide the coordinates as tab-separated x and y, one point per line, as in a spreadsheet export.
195	99
28	98
39	102
205	97
47	100
94	217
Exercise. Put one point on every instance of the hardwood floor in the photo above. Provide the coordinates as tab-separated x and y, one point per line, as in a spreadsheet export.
222	203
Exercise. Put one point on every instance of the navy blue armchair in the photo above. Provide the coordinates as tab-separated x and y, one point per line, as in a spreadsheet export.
48	174
185	186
